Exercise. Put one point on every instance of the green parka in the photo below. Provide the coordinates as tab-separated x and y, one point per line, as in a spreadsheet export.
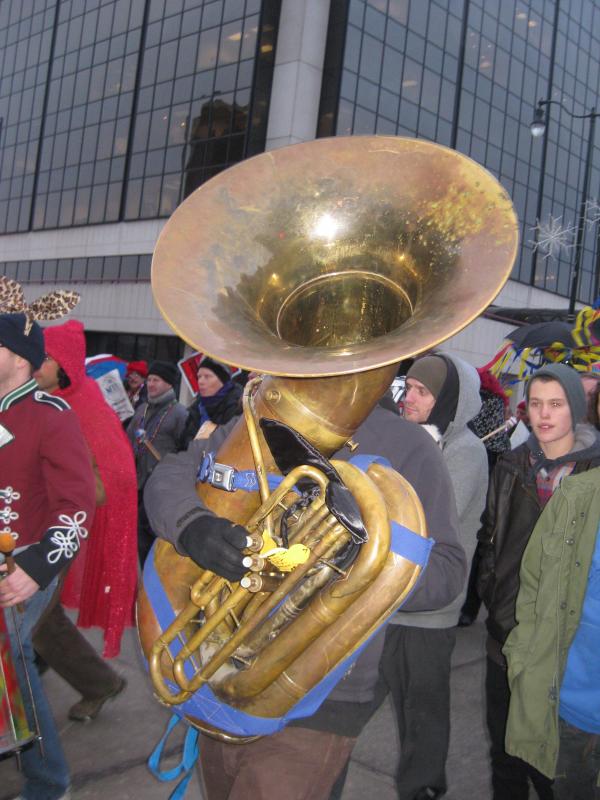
553	582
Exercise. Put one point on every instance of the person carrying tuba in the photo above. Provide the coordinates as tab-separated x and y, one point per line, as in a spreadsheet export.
277	764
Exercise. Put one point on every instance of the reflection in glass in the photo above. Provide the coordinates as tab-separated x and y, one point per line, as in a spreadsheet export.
208	49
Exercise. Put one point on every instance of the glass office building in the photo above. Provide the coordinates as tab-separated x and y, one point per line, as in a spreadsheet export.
468	74
112	111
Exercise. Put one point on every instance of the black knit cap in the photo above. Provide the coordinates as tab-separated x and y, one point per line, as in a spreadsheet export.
220	370
29	346
165	370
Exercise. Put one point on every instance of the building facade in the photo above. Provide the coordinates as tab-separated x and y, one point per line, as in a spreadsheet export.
113	111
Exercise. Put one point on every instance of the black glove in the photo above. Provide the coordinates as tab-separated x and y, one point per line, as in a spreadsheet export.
216	544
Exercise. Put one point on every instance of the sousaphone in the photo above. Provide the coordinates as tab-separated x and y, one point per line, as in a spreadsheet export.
321	265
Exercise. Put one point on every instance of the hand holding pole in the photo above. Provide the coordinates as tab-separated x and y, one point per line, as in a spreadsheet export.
7	545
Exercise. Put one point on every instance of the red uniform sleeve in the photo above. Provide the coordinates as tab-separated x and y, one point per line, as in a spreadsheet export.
70	492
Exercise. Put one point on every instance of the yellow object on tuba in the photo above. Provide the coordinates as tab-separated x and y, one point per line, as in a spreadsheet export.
322	265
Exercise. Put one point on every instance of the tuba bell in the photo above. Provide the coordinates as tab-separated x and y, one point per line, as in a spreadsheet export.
321	266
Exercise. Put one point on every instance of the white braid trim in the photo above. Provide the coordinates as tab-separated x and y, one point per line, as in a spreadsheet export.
67	537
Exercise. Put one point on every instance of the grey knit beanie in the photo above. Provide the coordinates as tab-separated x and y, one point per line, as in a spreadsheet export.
431	371
571	383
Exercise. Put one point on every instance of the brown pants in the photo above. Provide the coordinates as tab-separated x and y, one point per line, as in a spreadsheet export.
295	764
61	645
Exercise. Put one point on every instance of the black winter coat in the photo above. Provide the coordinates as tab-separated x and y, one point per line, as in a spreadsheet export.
511	513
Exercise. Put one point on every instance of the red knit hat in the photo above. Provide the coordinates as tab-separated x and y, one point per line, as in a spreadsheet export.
491	384
66	345
141	367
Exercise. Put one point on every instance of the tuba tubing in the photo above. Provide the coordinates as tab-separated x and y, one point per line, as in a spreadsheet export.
327	606
360	620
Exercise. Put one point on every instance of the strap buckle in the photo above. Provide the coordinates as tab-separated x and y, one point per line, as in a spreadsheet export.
221	476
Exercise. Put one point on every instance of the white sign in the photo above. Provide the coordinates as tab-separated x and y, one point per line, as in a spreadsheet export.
115	395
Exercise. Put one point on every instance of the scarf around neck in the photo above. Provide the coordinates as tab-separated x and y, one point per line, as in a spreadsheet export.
207	404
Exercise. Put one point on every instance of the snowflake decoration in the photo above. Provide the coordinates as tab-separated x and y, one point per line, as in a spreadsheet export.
592	213
552	237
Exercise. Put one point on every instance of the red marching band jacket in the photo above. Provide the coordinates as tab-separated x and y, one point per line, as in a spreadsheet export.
47	488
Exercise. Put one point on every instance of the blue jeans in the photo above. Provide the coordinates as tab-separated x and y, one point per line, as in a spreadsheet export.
47	774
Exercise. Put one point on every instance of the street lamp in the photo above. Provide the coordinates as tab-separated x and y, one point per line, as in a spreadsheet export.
538	128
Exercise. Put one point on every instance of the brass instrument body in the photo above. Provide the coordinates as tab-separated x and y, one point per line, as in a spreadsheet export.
334	256
282	674
297	402
323	264
341	615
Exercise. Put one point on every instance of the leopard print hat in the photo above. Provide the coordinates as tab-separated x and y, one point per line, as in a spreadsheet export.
19	329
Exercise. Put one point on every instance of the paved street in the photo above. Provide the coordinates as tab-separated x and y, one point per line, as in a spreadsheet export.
108	756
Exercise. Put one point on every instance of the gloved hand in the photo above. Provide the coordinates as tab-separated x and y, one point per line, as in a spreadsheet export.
216	544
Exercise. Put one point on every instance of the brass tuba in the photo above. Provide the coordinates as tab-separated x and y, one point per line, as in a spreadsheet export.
322	265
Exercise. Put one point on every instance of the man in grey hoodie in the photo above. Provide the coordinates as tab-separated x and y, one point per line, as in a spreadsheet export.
442	394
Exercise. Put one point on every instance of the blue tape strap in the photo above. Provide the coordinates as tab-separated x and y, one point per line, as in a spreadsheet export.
160	602
162	606
405	543
363	462
205	705
410	545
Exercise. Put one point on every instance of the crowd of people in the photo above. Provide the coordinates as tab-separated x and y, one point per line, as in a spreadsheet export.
522	517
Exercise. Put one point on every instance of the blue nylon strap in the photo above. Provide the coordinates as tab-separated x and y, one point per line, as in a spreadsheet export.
185	766
245	480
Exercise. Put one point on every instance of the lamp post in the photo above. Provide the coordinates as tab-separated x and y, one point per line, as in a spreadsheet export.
538	128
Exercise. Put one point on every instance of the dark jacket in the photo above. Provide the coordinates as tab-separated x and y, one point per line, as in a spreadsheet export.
160	422
228	407
171	503
512	510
